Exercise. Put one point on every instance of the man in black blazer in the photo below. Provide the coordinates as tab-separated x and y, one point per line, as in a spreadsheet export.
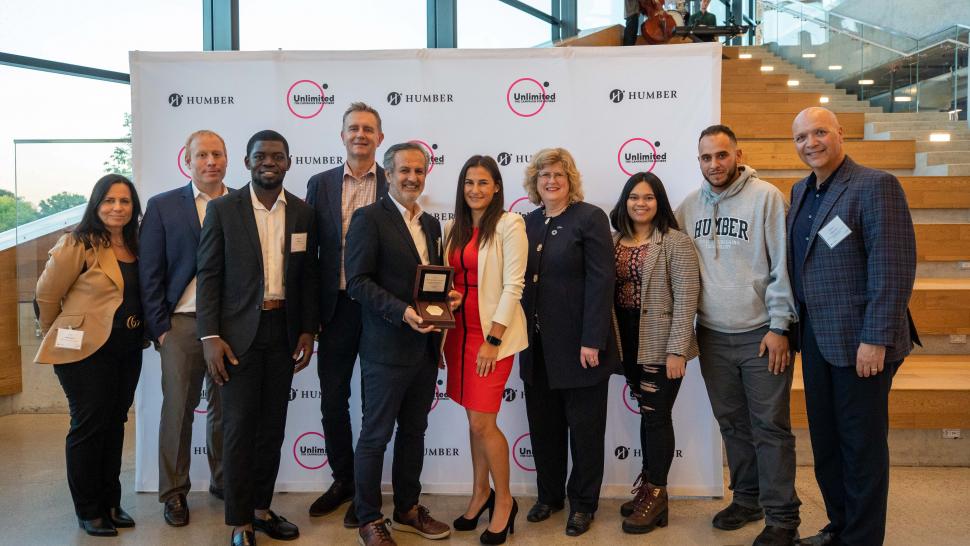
335	195
386	243
169	239
257	288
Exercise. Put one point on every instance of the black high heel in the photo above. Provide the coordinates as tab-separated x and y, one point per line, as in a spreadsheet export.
489	537
466	524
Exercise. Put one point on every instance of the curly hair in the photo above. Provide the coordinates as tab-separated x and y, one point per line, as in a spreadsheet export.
544	158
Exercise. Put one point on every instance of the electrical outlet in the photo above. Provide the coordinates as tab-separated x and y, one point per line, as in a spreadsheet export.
958	338
951	434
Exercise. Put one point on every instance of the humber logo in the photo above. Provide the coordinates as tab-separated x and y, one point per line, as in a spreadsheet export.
509	395
175	100
621	452
394	98
616	95
504	159
292	394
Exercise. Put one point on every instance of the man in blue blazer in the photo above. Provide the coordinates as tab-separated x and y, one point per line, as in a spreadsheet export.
386	243
335	195
852	262
169	240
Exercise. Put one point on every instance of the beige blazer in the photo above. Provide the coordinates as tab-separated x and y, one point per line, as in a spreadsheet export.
668	299
68	298
501	278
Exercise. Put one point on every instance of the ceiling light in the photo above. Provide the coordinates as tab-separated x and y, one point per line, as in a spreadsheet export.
808	55
903	99
767	68
823	99
939	137
792	83
866	82
744	56
835	67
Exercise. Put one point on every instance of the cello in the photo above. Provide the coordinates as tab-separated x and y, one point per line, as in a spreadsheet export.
659	26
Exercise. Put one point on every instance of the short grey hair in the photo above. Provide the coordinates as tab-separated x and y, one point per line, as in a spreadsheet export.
404	147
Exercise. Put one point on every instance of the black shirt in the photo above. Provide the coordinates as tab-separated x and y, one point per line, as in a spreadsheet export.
129	315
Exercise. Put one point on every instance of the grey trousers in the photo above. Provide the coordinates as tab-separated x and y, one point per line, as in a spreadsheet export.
752	408
183	369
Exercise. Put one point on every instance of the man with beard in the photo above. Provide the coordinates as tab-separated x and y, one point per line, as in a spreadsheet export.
257	293
737	222
335	195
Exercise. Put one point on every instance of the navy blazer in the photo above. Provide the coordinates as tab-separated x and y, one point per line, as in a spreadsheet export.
230	280
381	264
167	244
859	291
324	192
571	294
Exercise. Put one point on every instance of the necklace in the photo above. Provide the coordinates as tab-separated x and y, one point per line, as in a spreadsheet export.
549	214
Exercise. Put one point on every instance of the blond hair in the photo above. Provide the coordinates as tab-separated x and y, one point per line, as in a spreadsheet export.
197	134
544	158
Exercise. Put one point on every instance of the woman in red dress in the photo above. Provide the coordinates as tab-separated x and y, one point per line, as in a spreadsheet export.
488	249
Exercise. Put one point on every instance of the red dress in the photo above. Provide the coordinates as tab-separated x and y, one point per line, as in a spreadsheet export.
465	387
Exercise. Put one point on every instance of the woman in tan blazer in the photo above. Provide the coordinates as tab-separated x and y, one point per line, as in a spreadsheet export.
90	314
657	287
488	249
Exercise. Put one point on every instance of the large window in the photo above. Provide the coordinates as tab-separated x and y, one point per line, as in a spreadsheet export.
490	24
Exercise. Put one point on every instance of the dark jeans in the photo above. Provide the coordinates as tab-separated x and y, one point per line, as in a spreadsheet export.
753	409
254	404
566	422
336	356
848	421
630	30
393	393
99	389
655	394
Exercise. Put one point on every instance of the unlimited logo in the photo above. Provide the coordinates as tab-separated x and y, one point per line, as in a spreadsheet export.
438	395
306	98
431	149
522	453
629	400
639	155
526	97
310	451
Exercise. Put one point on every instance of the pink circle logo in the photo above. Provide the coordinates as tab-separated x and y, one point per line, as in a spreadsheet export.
430	148
438	395
309	451
306	98
522	204
524	94
636	154
180	161
522	453
627	397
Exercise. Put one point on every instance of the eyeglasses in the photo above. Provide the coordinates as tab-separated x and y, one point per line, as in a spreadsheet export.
549	176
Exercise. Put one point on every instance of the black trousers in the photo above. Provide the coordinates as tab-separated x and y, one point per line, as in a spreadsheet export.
656	401
336	354
99	389
630	29
561	420
254	404
848	421
401	394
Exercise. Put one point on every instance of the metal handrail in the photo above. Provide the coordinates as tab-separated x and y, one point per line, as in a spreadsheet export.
775	5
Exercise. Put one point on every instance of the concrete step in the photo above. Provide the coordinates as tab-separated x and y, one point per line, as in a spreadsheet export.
944	158
951	146
938	126
908	116
918	135
922	192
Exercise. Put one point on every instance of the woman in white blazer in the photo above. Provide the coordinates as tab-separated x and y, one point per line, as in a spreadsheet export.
488	249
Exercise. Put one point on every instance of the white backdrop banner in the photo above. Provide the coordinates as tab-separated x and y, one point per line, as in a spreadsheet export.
618	110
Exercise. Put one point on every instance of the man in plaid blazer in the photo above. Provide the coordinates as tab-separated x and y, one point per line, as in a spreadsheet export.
852	262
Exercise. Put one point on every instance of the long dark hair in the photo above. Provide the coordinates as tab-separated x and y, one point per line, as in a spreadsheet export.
664	219
92	232
461	230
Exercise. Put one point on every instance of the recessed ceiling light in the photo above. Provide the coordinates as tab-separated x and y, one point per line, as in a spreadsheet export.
793	83
823	99
903	99
939	137
744	56
835	67
767	68
866	82
808	55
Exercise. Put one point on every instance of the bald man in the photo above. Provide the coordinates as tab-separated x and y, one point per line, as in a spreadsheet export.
852	263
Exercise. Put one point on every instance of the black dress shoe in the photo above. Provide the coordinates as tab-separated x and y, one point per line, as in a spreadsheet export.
177	511
776	536
823	538
277	527
350	517
217	492
243	538
541	511
736	516
119	518
578	523
97	527
339	493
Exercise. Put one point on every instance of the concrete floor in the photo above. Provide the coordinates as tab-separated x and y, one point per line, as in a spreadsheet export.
926	506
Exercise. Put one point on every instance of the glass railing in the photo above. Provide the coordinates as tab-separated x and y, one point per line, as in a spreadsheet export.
890	69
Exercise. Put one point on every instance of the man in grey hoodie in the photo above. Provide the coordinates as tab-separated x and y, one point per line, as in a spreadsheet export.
737	222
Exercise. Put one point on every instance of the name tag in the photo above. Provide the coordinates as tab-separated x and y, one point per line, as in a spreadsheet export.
69	339
834	232
298	242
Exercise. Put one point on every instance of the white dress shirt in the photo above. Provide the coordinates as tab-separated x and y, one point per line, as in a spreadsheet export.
271	225
413	223
186	303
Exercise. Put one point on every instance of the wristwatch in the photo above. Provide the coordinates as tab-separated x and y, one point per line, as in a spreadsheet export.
492	340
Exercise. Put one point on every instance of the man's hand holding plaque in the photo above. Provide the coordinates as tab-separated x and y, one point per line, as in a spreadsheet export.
433	298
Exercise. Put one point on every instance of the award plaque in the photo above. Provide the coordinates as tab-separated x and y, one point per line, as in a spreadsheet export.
431	286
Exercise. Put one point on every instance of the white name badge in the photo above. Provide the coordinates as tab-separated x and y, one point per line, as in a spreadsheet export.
69	339
834	232
298	242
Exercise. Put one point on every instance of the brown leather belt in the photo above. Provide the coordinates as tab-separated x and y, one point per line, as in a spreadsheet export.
269	305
